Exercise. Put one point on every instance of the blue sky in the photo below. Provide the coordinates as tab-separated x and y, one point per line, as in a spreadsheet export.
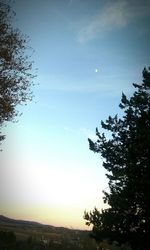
87	53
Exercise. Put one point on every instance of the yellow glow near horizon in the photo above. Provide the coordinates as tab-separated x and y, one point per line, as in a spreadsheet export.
52	191
60	217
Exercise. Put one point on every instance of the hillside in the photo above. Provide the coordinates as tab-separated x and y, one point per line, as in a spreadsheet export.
47	234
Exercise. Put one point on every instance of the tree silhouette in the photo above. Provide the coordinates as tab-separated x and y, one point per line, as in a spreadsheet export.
127	159
15	67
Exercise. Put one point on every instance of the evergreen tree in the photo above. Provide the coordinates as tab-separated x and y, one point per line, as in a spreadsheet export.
126	157
15	67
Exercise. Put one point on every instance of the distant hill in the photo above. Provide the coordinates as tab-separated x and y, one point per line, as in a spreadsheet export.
5	221
49	237
25	229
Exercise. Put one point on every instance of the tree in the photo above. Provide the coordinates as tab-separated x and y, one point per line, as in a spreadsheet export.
15	67
127	161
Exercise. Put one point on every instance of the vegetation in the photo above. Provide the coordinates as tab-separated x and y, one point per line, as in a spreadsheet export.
7	240
26	235
15	67
126	156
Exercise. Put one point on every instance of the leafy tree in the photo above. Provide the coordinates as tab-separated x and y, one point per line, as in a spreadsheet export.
15	67
126	155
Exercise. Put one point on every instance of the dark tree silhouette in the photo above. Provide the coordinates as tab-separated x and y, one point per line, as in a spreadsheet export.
15	67
127	159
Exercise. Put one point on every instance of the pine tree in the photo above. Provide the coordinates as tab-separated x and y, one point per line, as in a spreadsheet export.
126	157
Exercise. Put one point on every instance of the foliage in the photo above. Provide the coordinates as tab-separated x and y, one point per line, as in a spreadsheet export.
7	240
126	157
15	67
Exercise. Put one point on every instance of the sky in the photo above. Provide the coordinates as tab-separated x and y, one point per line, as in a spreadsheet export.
87	53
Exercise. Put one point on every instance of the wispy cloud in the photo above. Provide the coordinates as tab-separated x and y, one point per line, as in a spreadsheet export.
88	133
85	132
66	84
114	15
99	84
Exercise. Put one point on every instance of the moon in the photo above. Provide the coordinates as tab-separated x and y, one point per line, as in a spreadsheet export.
96	70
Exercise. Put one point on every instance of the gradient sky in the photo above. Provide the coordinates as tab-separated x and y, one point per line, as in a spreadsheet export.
87	53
